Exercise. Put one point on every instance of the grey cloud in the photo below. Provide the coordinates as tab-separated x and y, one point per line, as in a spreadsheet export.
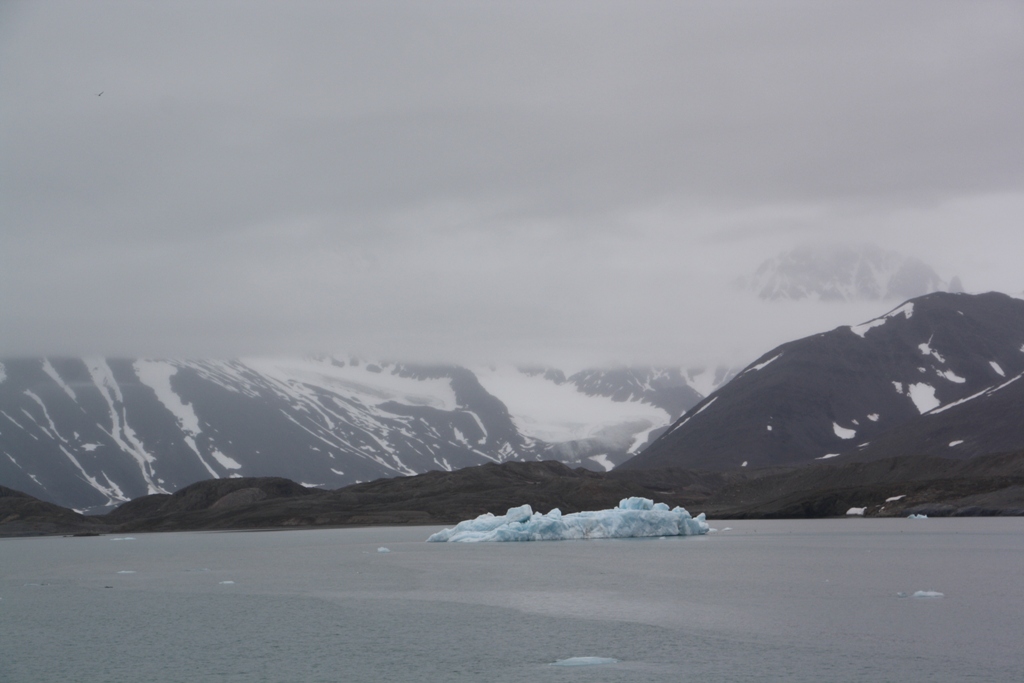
471	178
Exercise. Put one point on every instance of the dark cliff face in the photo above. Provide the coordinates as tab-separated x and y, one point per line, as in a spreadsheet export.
899	384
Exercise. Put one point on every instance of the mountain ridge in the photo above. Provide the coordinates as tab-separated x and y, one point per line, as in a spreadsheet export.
90	433
833	394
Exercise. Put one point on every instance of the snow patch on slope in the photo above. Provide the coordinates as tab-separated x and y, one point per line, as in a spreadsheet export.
120	431
927	350
842	432
984	392
357	381
544	410
157	376
52	373
952	376
923	396
761	366
907	310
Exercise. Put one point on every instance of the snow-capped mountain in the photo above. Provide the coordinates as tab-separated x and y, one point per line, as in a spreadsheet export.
845	273
88	433
938	375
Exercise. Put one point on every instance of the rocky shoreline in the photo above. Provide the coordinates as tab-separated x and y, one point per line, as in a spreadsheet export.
896	487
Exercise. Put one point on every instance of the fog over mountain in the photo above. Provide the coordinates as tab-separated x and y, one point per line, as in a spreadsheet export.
846	273
559	184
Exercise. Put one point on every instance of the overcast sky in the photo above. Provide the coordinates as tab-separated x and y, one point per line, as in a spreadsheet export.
559	182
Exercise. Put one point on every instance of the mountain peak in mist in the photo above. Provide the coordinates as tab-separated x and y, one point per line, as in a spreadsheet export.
845	273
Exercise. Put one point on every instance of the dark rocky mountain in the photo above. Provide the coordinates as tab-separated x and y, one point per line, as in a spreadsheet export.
938	375
987	485
91	433
845	273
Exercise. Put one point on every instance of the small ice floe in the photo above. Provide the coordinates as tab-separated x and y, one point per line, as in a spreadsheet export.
895	498
123	538
382	549
585	661
856	511
916	516
728	528
927	594
127	571
227	583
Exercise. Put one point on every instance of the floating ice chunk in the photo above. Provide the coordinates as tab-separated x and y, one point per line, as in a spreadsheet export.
916	516
828	456
895	498
927	594
728	528
127	571
997	368
382	549
744	464
955	443
227	583
584	661
123	538
873	417
856	511
633	518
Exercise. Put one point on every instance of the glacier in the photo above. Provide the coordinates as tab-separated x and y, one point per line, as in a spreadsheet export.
633	518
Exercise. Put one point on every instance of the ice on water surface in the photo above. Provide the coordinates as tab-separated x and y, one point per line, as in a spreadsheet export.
633	518
584	661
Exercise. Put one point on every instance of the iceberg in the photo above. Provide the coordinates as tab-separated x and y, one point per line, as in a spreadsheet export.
633	518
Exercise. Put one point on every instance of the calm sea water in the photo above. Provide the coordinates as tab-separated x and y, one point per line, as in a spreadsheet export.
813	600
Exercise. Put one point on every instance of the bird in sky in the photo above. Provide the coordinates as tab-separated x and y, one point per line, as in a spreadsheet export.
100	93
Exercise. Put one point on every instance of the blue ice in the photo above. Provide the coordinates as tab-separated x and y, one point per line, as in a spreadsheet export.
633	518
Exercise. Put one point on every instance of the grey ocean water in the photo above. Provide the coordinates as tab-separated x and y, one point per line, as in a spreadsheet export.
801	600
